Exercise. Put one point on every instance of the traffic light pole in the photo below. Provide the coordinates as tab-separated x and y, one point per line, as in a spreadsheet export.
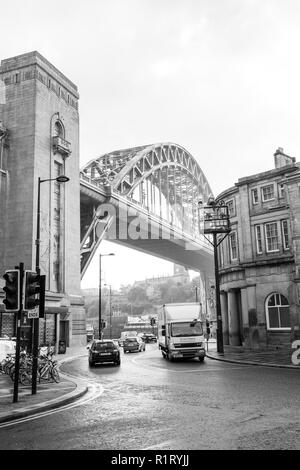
18	339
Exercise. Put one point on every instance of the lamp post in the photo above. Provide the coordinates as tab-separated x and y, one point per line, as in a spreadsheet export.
110	311
35	346
100	308
216	221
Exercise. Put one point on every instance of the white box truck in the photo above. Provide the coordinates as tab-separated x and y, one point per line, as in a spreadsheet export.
180	331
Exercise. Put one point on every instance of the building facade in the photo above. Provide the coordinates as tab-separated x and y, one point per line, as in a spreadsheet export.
39	138
260	259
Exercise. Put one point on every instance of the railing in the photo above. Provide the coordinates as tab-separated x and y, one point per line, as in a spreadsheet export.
195	235
61	145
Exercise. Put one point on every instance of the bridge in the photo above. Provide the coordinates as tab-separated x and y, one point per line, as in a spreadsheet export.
146	198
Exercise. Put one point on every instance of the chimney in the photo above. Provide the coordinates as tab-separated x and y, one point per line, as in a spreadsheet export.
281	159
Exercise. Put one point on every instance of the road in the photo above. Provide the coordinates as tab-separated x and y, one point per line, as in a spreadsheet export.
150	403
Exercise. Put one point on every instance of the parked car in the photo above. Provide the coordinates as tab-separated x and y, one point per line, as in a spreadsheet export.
104	351
149	338
90	333
133	344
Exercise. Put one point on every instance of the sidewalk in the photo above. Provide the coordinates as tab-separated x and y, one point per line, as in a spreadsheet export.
48	396
237	354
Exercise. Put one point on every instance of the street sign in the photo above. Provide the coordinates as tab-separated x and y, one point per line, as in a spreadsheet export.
34	313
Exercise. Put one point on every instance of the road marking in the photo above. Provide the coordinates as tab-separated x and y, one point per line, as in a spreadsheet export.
166	445
96	390
135	361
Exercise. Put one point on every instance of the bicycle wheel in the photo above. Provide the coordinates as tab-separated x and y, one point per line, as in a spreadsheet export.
25	378
11	373
55	375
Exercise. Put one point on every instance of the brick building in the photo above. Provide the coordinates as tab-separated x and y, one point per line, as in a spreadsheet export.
260	259
39	137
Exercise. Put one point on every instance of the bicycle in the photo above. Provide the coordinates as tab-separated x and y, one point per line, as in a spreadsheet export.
48	369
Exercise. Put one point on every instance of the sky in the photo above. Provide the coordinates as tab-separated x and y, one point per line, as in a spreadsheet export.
218	77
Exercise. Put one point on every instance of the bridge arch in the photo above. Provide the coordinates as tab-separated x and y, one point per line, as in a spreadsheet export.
163	179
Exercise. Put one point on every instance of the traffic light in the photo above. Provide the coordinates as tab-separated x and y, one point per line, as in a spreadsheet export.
152	321
32	289
12	290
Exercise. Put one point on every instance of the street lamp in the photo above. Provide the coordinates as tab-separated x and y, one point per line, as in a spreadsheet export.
110	310
216	221
100	308
35	346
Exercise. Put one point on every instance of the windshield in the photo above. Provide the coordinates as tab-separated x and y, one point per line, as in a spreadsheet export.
101	346
131	340
186	329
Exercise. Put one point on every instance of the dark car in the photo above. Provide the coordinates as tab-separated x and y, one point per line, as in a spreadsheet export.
104	351
149	338
133	344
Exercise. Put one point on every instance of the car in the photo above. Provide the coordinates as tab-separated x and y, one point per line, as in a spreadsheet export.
149	338
105	350
133	344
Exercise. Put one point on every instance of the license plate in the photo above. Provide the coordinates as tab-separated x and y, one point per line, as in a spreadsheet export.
104	354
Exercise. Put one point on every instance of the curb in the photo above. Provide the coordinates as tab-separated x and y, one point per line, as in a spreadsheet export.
51	404
252	363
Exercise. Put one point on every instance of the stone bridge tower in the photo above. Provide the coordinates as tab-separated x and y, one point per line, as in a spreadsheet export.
39	137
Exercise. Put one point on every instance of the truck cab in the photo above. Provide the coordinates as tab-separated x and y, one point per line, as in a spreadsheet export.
180	331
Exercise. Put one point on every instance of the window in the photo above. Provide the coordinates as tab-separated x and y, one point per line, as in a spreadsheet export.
231	208
233	246
254	194
267	192
285	234
17	78
277	312
59	129
280	190
57	237
258	235
271	234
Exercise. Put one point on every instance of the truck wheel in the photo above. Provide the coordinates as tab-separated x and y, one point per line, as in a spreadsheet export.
170	358
201	359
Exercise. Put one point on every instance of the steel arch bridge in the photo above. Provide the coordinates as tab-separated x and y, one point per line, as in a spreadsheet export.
158	184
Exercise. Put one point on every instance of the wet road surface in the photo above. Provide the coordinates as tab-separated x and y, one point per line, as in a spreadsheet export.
151	403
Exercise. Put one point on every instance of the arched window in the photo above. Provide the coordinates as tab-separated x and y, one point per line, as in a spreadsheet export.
278	312
59	129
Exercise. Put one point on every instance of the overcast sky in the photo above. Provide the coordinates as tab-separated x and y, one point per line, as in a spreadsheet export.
219	77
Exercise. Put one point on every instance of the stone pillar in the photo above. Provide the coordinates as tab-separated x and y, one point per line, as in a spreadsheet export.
245	317
234	331
224	311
